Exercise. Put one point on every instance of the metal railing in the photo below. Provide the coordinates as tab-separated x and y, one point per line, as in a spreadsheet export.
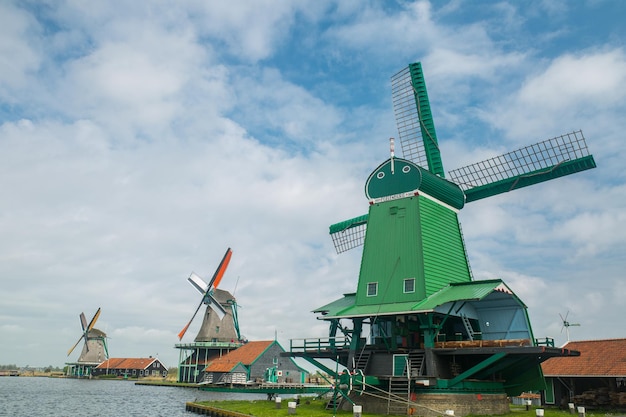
319	345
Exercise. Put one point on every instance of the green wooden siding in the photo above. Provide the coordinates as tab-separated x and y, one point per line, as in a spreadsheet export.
412	237
392	253
443	252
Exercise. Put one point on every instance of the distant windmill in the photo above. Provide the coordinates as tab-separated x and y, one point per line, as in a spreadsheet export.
566	324
214	326
95	348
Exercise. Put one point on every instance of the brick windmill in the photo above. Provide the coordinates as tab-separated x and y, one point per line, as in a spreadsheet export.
418	324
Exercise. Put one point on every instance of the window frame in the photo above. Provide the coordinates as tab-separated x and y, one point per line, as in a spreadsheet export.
373	285
404	284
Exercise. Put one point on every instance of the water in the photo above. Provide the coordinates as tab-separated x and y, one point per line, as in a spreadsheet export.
25	396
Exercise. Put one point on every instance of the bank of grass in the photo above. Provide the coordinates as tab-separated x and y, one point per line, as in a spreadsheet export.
313	407
308	407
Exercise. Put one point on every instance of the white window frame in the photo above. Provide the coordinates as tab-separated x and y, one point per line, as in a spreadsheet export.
406	281
373	285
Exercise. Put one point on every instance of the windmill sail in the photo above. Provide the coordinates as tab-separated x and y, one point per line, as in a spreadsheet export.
86	329
543	161
414	119
207	290
349	234
94	349
533	164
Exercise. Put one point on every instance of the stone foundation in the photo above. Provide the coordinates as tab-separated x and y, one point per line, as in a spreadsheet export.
430	405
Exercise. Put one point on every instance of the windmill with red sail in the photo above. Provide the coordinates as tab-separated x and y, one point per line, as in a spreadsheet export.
219	331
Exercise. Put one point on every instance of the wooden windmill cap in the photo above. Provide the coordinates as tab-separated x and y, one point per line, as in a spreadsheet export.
399	178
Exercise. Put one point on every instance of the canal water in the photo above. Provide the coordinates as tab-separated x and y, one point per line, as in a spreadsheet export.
40	396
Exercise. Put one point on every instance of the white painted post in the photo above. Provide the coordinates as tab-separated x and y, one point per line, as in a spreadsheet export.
581	411
357	410
539	412
291	407
278	400
571	408
450	413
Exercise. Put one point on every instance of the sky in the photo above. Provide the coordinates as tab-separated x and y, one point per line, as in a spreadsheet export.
139	140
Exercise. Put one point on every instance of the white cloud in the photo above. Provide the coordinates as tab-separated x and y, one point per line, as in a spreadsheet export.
19	54
146	138
566	95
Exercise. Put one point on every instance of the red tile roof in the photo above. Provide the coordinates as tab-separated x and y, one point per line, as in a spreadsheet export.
126	363
597	358
245	355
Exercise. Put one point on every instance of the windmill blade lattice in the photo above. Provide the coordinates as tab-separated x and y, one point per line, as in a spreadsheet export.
349	234
416	128
533	164
543	161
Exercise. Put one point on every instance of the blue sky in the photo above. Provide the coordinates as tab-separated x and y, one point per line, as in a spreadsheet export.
140	139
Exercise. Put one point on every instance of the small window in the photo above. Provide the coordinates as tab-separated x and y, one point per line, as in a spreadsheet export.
372	289
275	360
409	285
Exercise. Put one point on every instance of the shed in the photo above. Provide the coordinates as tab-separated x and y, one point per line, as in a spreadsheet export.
259	361
597	378
131	367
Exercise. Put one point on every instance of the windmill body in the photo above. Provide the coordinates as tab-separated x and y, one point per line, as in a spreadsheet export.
418	324
95	349
216	328
413	245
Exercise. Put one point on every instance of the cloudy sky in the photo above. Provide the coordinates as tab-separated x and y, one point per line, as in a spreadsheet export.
139	140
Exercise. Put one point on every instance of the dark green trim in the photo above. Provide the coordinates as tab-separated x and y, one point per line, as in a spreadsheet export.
427	125
531	178
348	224
474	369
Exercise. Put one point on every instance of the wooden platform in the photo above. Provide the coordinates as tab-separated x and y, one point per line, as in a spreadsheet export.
483	343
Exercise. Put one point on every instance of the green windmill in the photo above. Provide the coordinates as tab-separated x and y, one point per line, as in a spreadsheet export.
418	323
412	226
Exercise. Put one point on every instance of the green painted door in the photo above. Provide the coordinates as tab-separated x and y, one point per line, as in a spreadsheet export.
399	365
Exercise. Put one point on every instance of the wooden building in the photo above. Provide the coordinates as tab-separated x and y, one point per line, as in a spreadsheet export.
132	368
258	361
597	378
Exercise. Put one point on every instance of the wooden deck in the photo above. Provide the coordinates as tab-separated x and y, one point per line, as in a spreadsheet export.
483	343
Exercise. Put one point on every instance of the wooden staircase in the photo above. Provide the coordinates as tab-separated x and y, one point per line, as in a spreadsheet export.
470	330
416	363
335	402
398	396
362	360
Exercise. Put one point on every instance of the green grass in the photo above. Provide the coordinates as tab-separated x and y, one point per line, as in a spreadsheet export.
313	407
309	407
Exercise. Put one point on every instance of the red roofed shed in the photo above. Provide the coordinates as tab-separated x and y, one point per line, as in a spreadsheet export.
258	361
131	367
596	378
